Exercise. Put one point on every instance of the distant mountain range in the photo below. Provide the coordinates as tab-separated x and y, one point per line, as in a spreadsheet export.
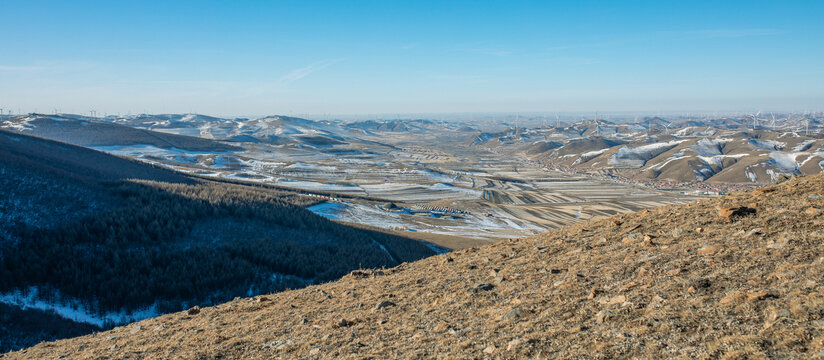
713	151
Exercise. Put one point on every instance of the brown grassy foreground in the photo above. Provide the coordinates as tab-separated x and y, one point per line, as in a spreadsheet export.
681	281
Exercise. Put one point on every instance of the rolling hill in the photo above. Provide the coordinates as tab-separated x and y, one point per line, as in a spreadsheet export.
102	240
711	151
730	277
91	132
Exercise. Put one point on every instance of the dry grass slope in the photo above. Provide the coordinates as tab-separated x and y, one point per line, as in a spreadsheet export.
683	281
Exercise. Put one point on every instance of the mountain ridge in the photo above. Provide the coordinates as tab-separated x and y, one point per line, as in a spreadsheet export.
731	277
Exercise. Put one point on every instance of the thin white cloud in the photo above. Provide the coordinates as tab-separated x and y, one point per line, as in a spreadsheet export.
24	68
728	33
483	50
305	71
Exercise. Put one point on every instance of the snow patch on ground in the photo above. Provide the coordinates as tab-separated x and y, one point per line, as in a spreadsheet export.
716	160
589	155
804	145
767	144
638	156
74	309
312	185
709	147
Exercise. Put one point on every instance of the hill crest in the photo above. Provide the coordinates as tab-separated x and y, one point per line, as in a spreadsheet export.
731	277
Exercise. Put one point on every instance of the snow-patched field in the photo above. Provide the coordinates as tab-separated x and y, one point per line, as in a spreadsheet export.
73	309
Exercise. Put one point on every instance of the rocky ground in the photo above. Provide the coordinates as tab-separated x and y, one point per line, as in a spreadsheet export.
735	277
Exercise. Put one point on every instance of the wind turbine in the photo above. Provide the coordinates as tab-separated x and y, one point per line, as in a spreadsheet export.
772	125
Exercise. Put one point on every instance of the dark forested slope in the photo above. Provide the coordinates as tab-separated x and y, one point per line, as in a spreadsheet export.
116	235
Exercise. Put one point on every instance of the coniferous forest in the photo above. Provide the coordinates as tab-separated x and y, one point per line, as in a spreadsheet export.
118	242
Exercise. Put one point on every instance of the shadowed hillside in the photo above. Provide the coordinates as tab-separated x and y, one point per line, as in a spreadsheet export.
92	132
104	240
732	277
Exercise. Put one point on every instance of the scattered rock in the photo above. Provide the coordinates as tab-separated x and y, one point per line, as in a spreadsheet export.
160	327
513	344
490	349
699	230
194	311
702	283
706	250
135	329
593	294
343	323
603	316
481	287
262	299
384	304
812	211
757	295
783	241
620	299
730	213
733	297
314	351
514	314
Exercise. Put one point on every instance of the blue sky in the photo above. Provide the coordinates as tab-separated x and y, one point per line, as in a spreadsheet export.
357	57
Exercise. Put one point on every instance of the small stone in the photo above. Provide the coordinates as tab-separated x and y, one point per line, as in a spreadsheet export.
135	329
702	283
262	299
691	290
514	314
490	349
384	304
480	288
699	230
705	250
194	311
498	280
512	344
729	213
620	299
343	323
314	351
160	327
783	241
732	298
813	211
757	295
603	316
592	294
